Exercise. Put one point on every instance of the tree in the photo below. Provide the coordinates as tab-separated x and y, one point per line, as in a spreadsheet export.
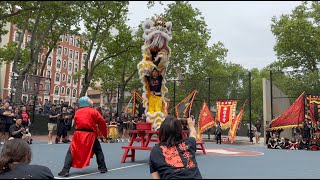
298	37
45	23
100	17
120	70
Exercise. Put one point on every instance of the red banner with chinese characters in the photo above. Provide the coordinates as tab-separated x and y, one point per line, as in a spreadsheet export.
226	113
235	124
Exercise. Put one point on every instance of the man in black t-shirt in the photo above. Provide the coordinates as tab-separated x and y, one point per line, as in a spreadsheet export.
16	130
155	84
6	120
52	123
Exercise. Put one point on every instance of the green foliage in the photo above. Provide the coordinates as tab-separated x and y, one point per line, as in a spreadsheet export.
298	37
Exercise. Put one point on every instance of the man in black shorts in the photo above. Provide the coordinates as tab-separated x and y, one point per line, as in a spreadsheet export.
69	122
52	123
6	116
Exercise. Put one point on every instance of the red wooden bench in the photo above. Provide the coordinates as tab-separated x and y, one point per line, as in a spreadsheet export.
133	152
201	147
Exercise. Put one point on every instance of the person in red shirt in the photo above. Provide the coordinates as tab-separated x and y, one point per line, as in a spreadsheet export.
25	117
88	122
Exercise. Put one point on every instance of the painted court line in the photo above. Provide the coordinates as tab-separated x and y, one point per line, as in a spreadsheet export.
72	177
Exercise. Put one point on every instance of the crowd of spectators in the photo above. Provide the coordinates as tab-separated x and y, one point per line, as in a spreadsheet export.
303	137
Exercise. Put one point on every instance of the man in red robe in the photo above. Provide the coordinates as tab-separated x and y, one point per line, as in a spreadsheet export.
84	142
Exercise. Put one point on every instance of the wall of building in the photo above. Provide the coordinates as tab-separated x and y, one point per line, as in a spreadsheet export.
68	54
280	105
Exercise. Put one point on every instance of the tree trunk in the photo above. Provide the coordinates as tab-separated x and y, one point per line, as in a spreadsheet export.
84	89
121	100
17	98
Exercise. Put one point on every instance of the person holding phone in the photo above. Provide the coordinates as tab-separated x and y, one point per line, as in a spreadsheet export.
174	156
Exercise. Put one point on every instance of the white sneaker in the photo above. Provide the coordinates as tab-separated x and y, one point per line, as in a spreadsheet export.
122	140
2	143
49	142
128	140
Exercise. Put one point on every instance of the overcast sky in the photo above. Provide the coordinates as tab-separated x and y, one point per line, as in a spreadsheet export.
242	26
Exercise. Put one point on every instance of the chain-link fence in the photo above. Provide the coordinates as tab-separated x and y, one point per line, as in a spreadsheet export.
210	90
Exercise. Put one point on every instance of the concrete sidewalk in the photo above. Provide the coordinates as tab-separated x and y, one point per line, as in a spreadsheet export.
240	140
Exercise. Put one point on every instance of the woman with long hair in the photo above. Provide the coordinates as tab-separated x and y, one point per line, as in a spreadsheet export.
174	156
15	161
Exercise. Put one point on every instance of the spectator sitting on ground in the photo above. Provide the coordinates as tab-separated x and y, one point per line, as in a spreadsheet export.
303	144
15	161
273	142
17	131
293	144
284	143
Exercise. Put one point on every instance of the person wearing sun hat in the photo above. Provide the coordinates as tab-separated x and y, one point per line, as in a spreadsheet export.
84	142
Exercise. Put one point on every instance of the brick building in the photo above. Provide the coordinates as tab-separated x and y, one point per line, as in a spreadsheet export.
62	64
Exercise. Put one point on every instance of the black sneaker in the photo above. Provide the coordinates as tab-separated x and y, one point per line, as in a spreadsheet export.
64	173
103	169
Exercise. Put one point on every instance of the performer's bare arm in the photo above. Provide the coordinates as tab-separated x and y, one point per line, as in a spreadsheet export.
192	129
155	175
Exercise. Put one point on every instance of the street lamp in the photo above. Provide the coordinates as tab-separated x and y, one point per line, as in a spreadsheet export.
14	77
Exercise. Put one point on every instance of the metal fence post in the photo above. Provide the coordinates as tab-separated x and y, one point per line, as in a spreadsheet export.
271	95
209	92
174	94
250	115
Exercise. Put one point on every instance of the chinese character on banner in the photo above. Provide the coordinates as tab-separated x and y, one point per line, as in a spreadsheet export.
226	113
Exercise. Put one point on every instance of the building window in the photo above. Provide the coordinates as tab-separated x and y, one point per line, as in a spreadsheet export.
68	91
70	66
17	36
65	51
49	61
62	90
76	56
86	43
69	79
57	77
84	57
48	74
70	53
64	64
74	93
71	40
76	68
66	38
58	63
61	37
77	42
28	38
56	90
60	50
63	77
47	88
75	81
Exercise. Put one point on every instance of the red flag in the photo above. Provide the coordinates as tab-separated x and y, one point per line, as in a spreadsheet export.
226	113
291	118
206	119
235	124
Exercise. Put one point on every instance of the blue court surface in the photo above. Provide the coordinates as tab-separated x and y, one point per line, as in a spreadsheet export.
267	163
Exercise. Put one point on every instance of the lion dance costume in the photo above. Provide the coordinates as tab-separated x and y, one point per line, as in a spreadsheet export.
156	54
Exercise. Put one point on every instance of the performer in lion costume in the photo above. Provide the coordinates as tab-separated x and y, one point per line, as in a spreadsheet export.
152	69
